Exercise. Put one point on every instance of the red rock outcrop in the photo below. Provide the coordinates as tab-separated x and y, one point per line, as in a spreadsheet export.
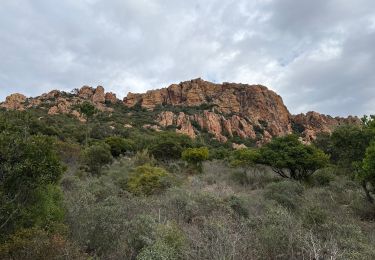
313	123
14	102
252	105
110	98
223	110
248	111
62	102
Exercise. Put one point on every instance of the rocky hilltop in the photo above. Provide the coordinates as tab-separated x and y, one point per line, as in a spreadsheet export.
224	110
249	111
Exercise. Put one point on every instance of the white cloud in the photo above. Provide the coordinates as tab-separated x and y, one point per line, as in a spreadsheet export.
318	55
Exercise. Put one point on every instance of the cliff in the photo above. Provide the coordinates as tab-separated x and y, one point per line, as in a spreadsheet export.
248	111
224	110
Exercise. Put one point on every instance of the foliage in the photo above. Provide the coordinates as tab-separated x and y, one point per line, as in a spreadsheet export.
291	159
33	243
29	171
287	193
119	145
87	109
244	158
95	157
322	177
195	156
367	173
168	146
238	206
348	145
147	180
220	153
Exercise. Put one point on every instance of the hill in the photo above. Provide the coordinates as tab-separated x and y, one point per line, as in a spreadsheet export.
227	111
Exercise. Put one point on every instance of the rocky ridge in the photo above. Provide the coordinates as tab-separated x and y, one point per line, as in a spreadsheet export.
223	110
248	111
60	102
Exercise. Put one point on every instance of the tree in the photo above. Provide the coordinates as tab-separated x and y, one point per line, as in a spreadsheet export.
289	158
348	144
367	173
29	172
169	146
96	156
196	156
245	158
88	110
119	145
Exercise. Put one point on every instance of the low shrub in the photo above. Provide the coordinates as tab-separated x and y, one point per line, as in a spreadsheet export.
237	204
119	145
286	193
322	177
33	243
147	180
95	157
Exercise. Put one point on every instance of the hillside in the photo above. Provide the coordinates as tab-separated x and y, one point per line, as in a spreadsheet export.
227	111
194	171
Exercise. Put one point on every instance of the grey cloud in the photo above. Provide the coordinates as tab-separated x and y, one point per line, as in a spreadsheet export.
318	55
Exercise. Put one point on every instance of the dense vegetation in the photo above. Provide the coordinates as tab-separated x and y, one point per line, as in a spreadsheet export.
99	190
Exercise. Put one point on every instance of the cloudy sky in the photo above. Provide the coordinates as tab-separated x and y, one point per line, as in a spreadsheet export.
318	55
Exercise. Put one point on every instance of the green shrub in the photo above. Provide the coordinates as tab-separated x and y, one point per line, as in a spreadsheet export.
141	233
169	146
314	216
286	193
238	206
220	153
119	145
289	158
322	177
157	251
279	235
143	157
95	157
167	150
196	156
31	244
147	180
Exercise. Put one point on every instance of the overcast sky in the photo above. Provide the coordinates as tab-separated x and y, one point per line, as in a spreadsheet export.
318	55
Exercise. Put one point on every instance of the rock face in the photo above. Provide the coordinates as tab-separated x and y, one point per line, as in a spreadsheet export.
229	109
59	102
226	111
14	102
313	123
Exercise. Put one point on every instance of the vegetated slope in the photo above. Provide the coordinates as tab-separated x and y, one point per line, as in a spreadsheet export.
84	175
226	111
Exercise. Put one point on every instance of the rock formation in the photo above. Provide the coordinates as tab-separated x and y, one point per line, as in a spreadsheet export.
248	111
14	102
224	110
59	102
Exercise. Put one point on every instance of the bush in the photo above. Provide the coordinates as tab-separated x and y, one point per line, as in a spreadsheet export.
220	153
238	206
167	150
157	251
119	145
195	156
147	180
279	235
314	216
30	244
169	146
322	177
95	157
286	193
